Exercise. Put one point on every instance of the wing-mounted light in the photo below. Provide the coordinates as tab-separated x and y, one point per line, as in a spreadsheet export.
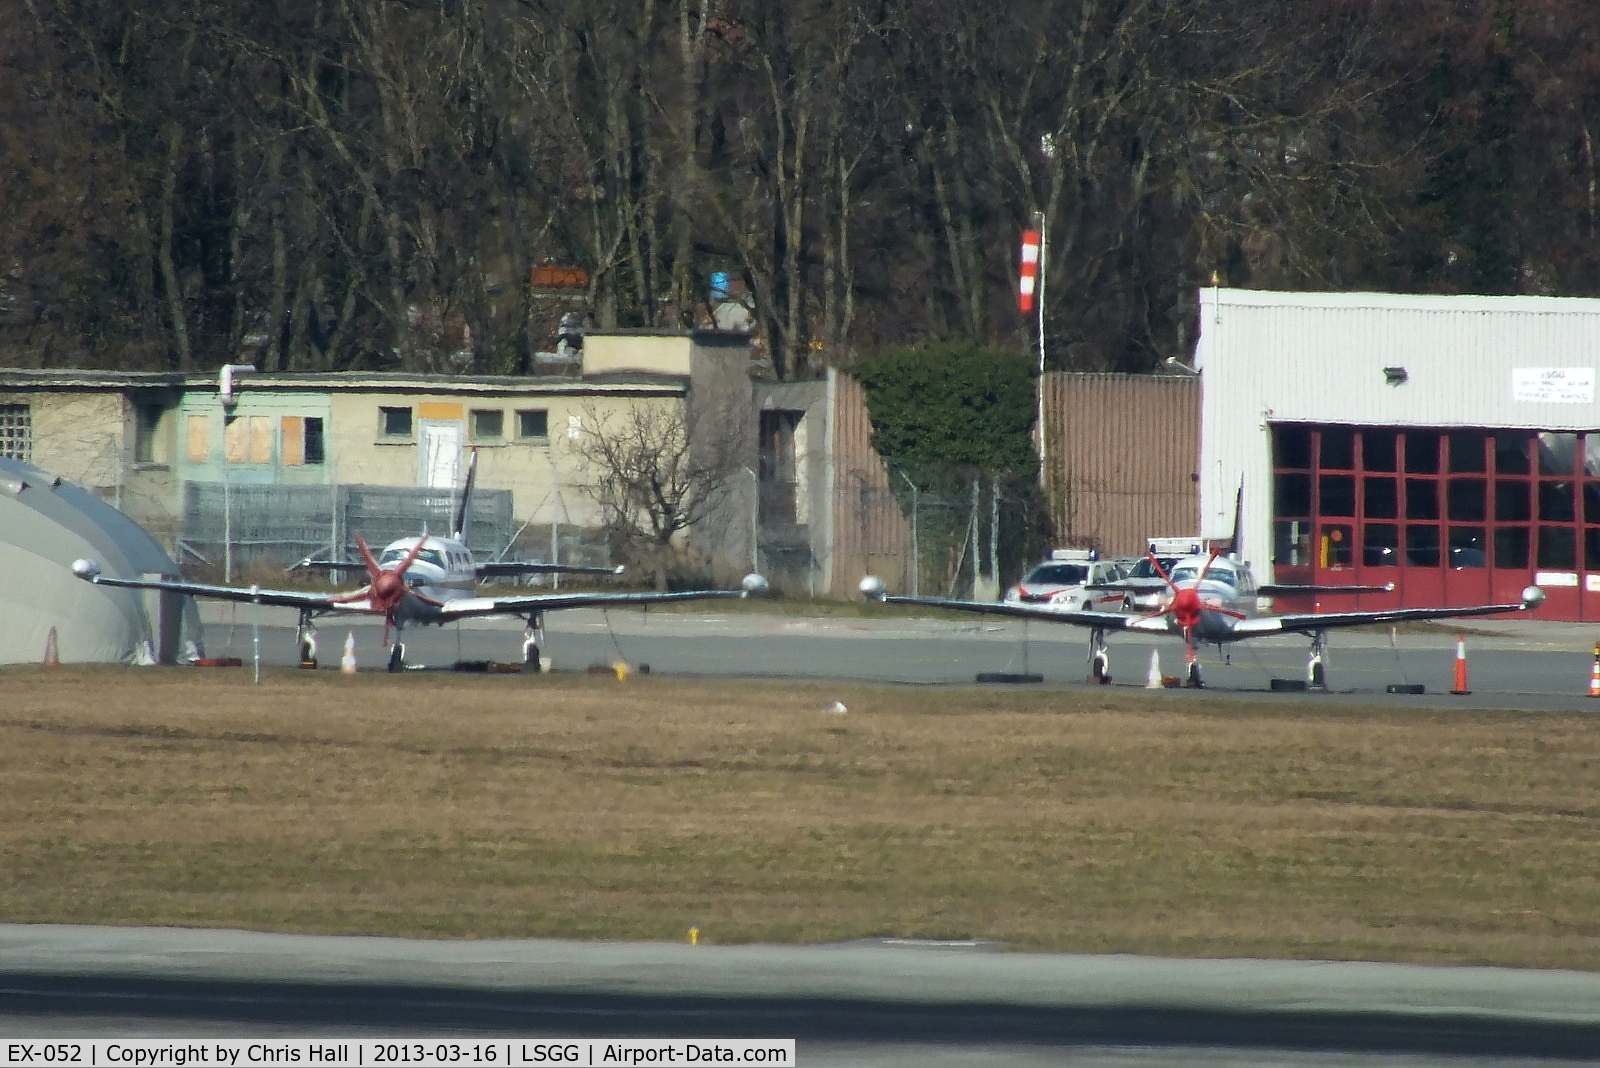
1532	596
755	585
873	588
88	570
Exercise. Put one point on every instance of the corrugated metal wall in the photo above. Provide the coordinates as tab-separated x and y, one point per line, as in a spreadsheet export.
871	535
1124	452
1124	449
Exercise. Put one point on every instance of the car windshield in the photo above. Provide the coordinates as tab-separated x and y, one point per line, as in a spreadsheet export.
1146	569
1058	575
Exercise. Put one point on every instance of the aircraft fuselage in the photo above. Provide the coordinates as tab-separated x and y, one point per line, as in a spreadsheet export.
443	570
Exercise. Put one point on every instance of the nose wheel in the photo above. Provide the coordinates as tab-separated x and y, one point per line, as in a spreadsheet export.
307	638
397	655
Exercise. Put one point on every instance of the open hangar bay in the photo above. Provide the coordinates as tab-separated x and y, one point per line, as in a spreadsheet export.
1517	662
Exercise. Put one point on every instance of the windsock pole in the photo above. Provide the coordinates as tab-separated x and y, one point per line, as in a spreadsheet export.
1030	299
1461	667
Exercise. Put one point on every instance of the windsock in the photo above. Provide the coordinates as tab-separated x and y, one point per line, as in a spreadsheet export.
1030	269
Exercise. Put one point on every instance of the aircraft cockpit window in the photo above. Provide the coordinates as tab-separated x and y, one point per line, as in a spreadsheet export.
1190	572
394	556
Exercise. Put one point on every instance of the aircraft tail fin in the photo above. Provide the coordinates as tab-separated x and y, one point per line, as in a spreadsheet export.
464	509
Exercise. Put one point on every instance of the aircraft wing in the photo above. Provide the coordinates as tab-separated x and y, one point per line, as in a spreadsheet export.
1106	620
497	568
1305	622
521	604
340	566
1273	589
320	602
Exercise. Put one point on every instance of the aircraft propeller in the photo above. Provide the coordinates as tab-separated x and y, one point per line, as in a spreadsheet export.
1185	605
386	587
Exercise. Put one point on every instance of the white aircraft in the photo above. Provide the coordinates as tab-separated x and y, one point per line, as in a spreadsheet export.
1212	599
424	580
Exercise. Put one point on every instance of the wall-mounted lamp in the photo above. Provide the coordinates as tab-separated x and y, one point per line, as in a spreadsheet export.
1395	375
1174	364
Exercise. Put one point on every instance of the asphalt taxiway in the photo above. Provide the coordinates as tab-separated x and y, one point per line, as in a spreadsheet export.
850	1005
1514	662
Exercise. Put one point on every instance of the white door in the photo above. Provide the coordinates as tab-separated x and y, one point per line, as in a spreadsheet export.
439	458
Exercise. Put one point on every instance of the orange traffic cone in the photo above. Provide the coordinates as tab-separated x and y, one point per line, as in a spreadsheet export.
1594	674
52	657
1461	667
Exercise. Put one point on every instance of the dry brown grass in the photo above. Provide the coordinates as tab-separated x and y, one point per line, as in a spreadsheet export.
475	806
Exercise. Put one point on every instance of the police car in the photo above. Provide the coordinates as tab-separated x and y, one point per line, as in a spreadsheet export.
1147	591
1061	581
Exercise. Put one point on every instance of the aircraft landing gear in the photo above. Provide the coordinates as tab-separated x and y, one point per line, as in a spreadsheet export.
532	639
1194	678
307	637
1315	678
1099	659
397	655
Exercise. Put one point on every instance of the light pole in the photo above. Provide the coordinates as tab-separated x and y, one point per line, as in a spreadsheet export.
755	518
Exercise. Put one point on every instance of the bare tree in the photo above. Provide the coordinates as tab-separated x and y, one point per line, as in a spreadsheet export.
656	472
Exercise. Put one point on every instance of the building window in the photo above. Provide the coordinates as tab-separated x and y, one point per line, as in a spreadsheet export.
198	439
488	425
247	439
395	422
146	417
533	425
16	432
300	442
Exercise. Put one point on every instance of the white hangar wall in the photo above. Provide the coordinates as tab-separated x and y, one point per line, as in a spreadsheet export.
1270	358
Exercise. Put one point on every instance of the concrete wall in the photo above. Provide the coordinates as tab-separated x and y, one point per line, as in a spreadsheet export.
656	353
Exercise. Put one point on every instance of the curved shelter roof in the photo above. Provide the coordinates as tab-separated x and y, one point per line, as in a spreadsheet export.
45	524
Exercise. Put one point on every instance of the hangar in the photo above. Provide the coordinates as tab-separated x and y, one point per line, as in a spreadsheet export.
1448	444
48	523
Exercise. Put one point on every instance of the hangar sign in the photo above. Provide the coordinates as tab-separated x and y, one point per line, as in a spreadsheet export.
1553	385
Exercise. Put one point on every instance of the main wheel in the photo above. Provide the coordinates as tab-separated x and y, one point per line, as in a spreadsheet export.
1194	675
397	657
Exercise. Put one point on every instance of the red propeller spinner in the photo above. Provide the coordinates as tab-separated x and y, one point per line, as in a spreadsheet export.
1185	604
386	587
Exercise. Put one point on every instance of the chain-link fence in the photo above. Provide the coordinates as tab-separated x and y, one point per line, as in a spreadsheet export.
231	529
948	542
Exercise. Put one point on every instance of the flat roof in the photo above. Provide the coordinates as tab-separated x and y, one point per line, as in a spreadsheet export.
15	378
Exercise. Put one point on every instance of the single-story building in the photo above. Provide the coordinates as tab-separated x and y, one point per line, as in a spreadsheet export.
1447	444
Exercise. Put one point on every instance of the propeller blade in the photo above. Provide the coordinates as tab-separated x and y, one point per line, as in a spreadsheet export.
1160	570
366	556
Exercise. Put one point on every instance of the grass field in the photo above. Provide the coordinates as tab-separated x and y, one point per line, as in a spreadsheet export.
583	807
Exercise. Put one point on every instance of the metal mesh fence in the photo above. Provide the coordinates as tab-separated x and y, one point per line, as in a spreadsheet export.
229	528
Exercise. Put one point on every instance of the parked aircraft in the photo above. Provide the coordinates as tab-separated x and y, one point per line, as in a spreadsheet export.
423	580
1211	599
